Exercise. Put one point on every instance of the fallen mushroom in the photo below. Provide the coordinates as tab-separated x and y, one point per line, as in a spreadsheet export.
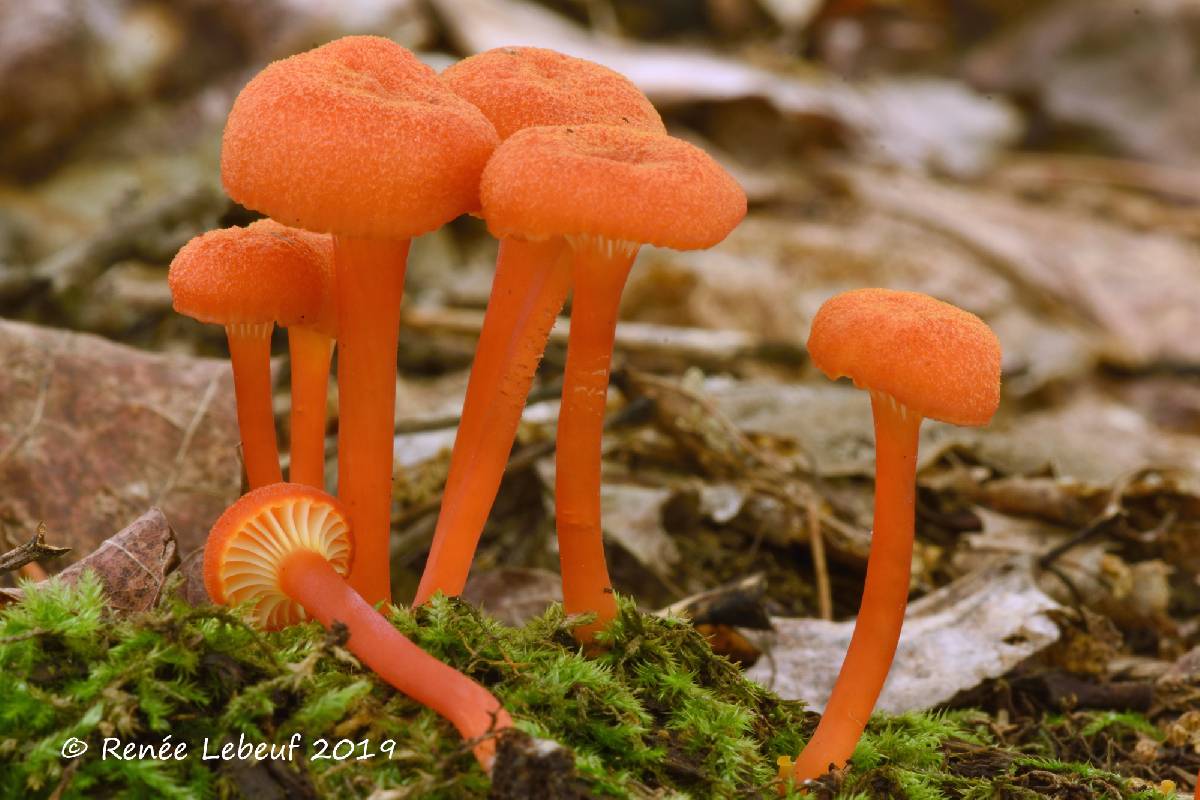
286	549
249	279
516	88
360	139
918	357
606	190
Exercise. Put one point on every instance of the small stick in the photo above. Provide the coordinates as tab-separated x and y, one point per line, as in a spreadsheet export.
637	338
817	545
33	550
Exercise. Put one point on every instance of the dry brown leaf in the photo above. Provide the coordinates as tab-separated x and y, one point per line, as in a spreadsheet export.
1089	439
1139	289
989	621
132	564
513	595
831	422
914	122
1128	70
632	519
92	433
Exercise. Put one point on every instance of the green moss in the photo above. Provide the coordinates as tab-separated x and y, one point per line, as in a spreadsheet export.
654	715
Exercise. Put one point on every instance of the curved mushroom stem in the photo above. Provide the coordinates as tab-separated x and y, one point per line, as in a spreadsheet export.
885	594
310	580
370	285
311	352
530	287
599	272
250	352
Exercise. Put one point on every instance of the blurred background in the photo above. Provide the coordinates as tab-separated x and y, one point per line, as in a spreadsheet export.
1036	162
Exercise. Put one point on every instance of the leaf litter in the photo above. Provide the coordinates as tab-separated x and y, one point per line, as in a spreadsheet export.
1066	218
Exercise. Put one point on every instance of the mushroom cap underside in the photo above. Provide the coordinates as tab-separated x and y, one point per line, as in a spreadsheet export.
251	540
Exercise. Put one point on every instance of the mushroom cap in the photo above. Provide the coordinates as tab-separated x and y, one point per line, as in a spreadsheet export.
254	536
934	358
263	273
357	138
525	87
612	182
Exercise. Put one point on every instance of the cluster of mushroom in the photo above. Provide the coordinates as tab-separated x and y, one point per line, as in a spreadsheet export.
361	147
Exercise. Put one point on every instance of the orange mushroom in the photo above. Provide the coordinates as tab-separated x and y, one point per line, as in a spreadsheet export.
360	139
311	349
606	190
248	279
516	88
529	87
918	357
286	548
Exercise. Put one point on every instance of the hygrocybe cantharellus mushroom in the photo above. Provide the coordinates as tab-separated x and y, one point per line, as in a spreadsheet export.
286	549
516	88
249	279
606	190
358	138
918	357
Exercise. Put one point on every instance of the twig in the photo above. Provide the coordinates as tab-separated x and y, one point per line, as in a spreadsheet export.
816	544
694	345
20	637
33	550
1176	182
161	225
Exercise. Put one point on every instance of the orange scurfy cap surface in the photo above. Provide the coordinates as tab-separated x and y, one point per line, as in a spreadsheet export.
612	182
936	359
525	87
254	536
266	272
358	138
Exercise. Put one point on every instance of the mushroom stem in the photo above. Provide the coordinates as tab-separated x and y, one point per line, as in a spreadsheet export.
885	593
311	352
599	272
370	285
530	287
310	580
250	352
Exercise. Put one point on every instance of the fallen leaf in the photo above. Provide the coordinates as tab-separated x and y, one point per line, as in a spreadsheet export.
1090	64
132	564
916	122
1138	288
632	519
1089	439
991	620
92	433
513	595
831	422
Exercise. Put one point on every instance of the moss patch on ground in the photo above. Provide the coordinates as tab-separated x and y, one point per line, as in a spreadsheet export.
654	715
